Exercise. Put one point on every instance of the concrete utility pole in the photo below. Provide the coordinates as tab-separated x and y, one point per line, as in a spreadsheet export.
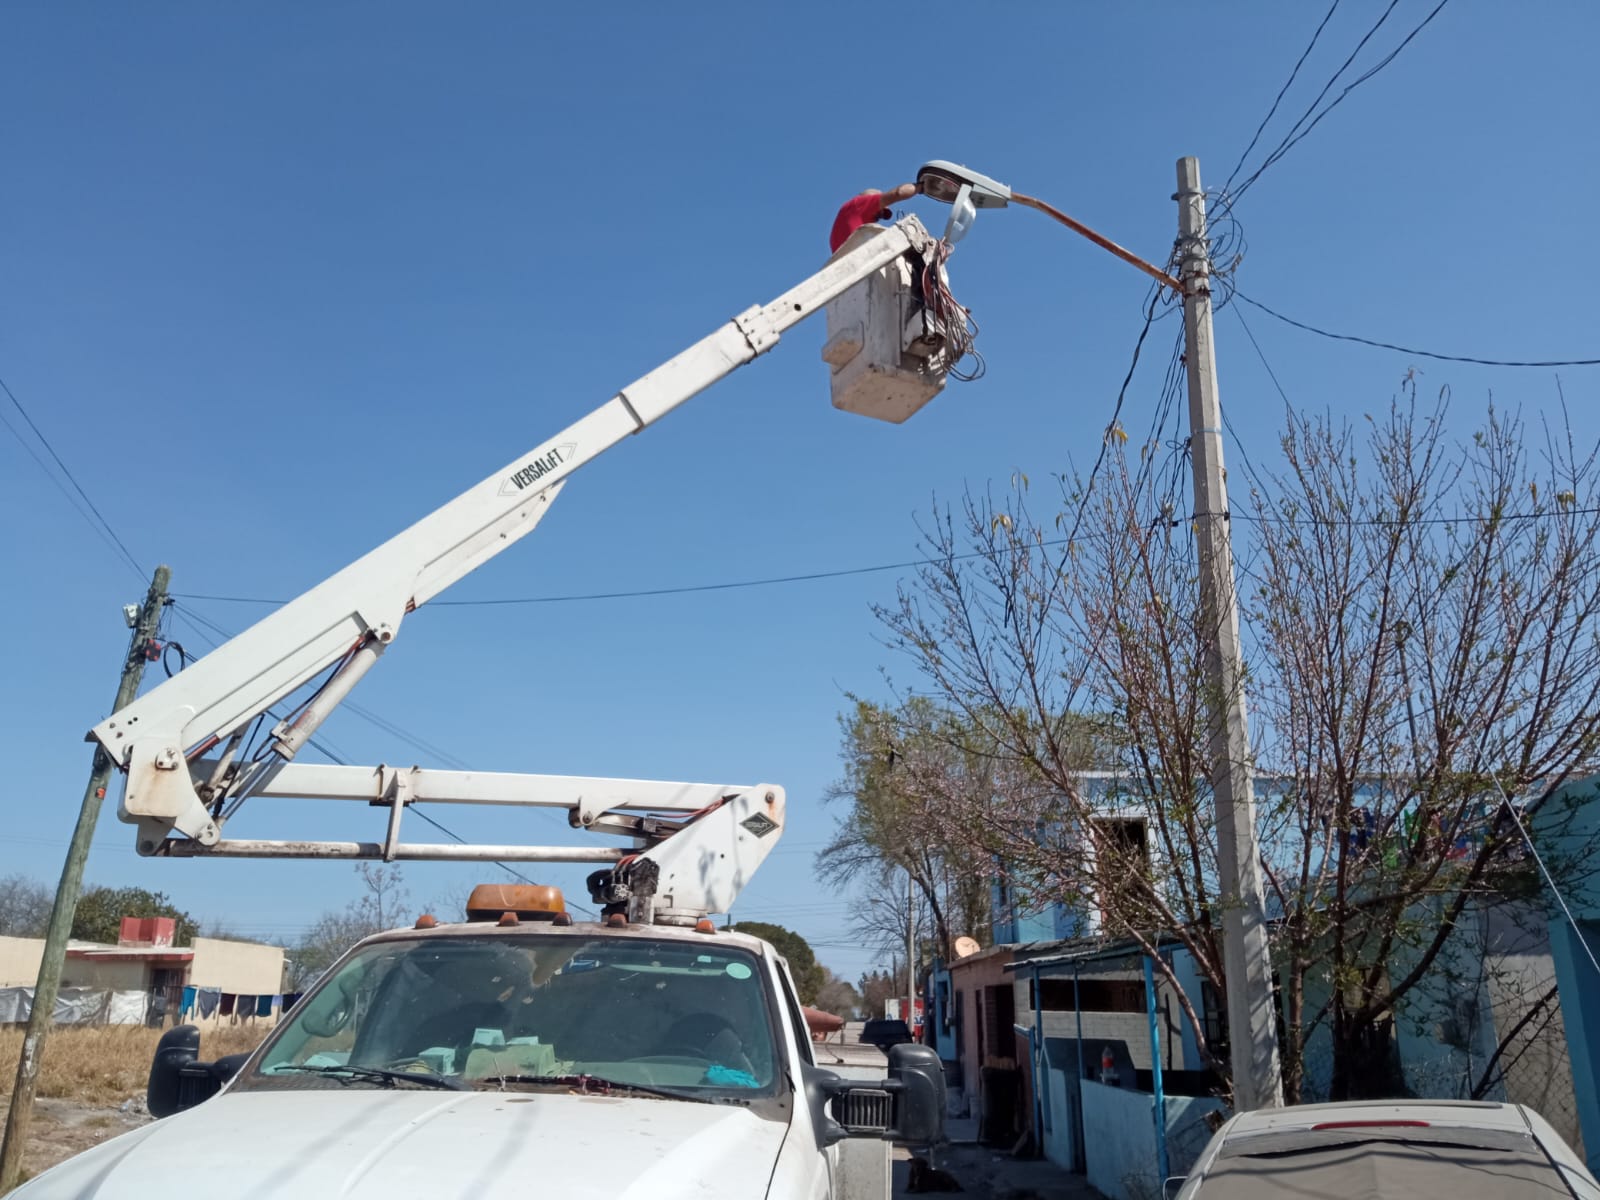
145	627
911	951
1252	1026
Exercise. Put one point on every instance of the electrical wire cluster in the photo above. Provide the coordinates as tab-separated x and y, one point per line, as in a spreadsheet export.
1167	473
1227	245
950	318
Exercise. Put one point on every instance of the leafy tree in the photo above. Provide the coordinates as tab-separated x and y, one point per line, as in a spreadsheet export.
1422	624
101	909
882	835
382	905
24	907
809	975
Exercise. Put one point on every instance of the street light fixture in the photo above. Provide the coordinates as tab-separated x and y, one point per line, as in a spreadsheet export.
951	183
964	190
942	181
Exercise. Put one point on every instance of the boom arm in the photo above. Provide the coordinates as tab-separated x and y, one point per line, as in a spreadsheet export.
348	621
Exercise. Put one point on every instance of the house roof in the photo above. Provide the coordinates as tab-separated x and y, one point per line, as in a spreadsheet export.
1071	952
94	952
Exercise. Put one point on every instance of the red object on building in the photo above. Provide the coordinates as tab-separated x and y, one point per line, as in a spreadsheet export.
147	931
856	212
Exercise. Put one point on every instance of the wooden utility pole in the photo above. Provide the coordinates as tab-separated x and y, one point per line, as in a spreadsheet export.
1246	959
145	627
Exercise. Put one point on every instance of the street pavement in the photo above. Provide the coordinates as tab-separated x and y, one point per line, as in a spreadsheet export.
991	1174
982	1171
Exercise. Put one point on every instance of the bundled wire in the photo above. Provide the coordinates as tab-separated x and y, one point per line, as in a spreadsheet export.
949	317
1227	245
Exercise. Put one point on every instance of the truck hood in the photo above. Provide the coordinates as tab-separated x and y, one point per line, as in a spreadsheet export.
384	1145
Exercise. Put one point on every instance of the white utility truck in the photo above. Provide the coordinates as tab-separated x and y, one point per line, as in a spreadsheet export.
645	1054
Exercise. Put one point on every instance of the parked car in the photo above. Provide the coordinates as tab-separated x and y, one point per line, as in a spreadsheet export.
1397	1149
884	1032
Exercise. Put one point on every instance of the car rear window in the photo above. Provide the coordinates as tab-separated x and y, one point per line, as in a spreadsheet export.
1398	1163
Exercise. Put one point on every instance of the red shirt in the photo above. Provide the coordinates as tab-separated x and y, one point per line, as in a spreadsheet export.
857	211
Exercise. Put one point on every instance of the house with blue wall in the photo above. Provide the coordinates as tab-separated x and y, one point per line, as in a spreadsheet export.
1565	828
1488	1021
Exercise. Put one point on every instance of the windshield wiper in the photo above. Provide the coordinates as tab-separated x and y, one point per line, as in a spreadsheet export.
348	1072
595	1085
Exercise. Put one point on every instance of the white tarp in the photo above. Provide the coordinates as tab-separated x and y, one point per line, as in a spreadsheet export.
74	1006
127	1008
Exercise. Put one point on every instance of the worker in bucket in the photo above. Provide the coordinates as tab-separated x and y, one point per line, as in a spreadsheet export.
870	205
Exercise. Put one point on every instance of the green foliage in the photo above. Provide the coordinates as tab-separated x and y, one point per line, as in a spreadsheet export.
809	974
897	764
101	909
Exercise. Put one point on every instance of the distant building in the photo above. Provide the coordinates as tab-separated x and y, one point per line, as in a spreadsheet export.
144	978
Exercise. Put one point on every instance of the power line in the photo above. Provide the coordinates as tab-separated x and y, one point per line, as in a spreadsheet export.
1377	522
1300	62
127	554
645	593
1271	374
1299	130
1460	358
685	589
194	619
61	487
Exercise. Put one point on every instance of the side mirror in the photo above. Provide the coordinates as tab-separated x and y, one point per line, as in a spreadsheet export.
907	1108
178	1048
919	1117
177	1080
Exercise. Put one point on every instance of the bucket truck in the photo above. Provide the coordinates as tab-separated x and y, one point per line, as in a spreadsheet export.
647	1053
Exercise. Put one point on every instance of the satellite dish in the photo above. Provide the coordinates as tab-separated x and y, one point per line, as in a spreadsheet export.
966	946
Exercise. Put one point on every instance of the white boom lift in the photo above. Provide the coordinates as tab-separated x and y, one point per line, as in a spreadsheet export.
180	743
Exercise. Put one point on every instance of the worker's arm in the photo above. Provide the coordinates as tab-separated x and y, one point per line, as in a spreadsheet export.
865	208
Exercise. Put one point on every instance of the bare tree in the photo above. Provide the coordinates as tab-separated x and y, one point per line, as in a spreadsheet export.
380	906
1422	623
24	906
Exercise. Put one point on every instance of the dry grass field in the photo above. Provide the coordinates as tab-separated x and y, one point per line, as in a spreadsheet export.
107	1064
87	1075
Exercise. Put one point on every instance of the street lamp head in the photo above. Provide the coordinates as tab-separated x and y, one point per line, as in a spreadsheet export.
943	181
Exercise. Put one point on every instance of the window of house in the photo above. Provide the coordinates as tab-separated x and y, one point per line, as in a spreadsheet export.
1214	1015
1124	853
1096	995
1000	1011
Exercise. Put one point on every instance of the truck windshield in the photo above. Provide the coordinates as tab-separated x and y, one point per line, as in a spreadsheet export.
510	1010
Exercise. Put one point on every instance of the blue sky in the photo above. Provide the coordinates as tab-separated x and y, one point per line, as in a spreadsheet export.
277	281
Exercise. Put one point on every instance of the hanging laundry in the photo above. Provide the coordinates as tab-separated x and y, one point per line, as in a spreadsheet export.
206	1001
263	1006
228	1001
290	999
246	1010
187	1003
